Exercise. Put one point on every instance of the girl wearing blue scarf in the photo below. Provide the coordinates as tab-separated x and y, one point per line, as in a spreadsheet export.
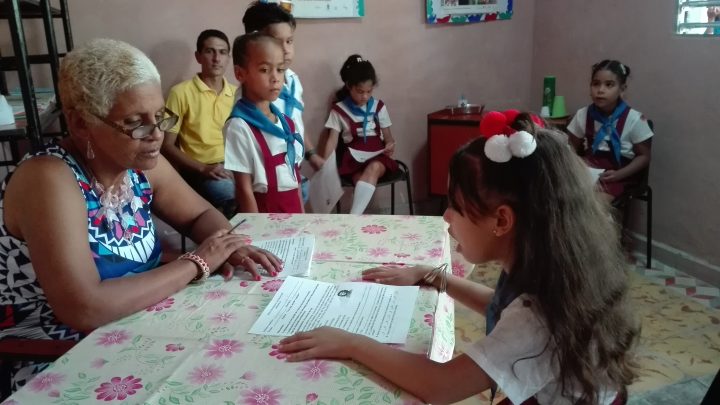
548	320
262	147
364	124
610	134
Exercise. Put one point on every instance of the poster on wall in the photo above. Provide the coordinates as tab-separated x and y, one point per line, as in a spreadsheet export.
467	11
328	8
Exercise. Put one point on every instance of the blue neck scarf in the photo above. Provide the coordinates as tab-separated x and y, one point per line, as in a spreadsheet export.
608	126
291	103
252	115
359	111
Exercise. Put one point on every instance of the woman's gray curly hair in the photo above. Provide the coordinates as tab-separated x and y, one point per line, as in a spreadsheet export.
93	75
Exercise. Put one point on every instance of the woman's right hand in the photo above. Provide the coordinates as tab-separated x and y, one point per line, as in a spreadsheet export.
396	275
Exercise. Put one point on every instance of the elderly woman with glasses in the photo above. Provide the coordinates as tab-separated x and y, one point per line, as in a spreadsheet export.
78	247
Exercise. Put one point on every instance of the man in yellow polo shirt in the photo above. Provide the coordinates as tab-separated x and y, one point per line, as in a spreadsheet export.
195	145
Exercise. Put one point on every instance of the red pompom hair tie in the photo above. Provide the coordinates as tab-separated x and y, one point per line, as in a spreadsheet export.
503	142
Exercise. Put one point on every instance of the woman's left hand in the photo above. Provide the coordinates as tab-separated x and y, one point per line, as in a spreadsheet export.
390	148
324	342
249	257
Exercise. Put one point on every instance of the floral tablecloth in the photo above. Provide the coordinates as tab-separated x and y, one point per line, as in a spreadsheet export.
194	347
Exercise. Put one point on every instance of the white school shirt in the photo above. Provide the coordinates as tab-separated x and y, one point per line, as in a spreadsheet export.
636	130
290	77
296	116
522	334
337	122
243	155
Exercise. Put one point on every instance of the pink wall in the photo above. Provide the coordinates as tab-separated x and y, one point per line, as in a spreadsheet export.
421	68
674	81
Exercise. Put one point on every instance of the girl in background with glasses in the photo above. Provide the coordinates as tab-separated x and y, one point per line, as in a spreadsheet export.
78	245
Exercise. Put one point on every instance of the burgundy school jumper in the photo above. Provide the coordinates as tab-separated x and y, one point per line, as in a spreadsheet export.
276	201
349	165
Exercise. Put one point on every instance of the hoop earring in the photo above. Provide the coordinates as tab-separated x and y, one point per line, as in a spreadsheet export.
90	152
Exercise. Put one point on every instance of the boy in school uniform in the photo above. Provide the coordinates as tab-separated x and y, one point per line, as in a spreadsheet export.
262	146
274	20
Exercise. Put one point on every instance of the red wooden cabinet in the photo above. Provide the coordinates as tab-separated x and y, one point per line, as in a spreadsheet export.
448	130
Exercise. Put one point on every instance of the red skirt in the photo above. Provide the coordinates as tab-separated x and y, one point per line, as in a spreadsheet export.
605	160
349	166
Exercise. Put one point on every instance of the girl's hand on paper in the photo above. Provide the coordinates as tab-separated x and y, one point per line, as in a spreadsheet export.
395	275
324	342
609	176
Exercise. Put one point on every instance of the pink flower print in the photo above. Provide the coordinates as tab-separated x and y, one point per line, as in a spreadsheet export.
244	284
249	376
206	374
402	255
45	381
272	285
115	337
164	304
330	234
277	354
378	251
119	388
313	370
174	347
429	319
373	229
324	256
223	348
311	397
458	269
411	236
222	317
279	217
216	294
261	396
287	232
54	394
98	363
435	252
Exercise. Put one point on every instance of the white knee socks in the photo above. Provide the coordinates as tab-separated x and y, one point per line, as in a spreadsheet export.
361	198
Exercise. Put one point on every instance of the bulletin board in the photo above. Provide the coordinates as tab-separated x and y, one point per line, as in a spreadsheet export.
328	8
467	11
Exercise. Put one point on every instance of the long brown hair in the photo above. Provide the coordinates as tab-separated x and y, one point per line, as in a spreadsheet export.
566	254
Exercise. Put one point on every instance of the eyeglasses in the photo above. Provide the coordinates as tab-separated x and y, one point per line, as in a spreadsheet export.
144	130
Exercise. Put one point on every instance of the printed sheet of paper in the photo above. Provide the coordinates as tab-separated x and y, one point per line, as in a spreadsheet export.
382	312
325	188
296	253
362	156
595	173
